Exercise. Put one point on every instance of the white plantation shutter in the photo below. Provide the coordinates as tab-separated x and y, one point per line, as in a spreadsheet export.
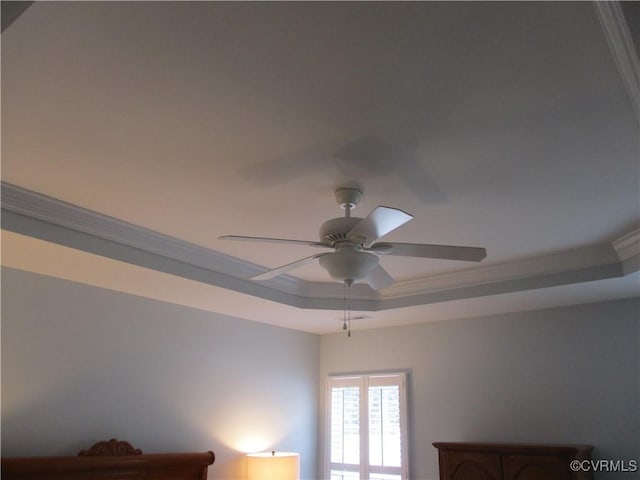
385	442
345	425
367	427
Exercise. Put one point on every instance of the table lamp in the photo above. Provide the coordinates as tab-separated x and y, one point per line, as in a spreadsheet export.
273	466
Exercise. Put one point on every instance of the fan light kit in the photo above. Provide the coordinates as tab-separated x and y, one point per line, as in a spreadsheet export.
356	250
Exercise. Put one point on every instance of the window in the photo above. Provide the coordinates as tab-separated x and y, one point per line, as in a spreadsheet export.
367	427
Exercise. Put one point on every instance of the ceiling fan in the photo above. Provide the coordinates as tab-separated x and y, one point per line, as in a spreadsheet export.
355	245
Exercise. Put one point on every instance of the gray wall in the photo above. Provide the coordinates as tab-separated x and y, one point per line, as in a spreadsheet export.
564	375
81	364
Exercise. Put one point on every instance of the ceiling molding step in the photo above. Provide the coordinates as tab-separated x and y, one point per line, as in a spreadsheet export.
67	237
622	47
355	304
628	245
40	216
631	265
361	291
61	235
56	212
627	248
588	274
531	267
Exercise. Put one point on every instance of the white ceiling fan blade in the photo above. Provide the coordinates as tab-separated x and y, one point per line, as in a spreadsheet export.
289	266
446	252
243	238
377	224
378	278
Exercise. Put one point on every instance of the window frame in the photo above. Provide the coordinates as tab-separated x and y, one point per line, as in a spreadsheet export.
363	381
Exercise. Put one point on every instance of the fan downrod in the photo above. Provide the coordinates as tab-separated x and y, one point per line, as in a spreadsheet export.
348	198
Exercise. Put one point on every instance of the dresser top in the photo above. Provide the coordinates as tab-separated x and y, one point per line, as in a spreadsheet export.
514	448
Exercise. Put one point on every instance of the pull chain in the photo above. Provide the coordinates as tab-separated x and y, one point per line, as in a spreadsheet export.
344	306
346	313
349	308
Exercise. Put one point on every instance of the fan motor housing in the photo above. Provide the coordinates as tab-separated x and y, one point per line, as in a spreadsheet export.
335	230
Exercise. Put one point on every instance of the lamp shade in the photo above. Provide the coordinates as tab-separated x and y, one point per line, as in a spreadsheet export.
273	466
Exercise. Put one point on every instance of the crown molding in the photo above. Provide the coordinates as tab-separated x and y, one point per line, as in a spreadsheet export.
507	271
622	48
627	248
39	216
34	205
628	245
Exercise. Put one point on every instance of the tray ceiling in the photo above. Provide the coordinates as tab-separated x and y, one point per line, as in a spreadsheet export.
163	125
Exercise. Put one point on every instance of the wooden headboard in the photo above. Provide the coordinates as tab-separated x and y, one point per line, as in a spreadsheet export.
114	460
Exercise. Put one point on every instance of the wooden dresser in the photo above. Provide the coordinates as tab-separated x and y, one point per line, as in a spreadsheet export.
486	461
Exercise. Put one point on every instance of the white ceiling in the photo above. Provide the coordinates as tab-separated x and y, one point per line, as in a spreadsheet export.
505	125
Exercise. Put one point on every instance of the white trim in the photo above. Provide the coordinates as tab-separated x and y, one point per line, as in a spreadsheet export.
35	205
628	249
622	48
508	271
627	246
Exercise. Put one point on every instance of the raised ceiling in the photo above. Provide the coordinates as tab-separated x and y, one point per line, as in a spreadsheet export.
136	133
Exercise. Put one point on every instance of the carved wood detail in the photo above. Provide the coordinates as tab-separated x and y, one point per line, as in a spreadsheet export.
487	461
110	447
